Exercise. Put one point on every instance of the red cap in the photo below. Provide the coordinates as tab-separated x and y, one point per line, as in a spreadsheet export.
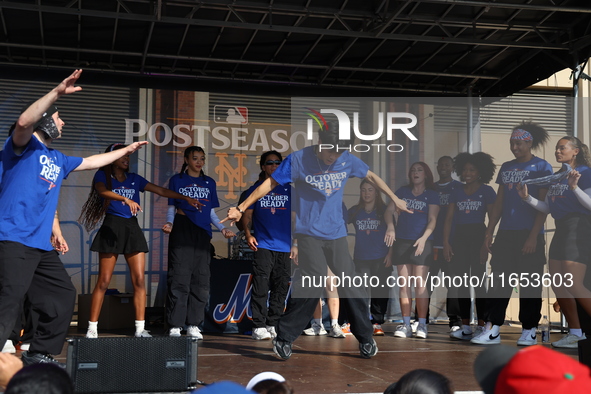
540	370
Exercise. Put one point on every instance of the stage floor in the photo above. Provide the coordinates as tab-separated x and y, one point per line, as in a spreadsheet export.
328	365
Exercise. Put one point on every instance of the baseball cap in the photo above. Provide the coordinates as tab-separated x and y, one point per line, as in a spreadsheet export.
489	363
264	376
538	369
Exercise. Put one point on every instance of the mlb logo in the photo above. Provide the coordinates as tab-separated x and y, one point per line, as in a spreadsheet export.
230	114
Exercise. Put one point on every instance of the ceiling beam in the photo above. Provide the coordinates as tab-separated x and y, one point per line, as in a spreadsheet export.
285	28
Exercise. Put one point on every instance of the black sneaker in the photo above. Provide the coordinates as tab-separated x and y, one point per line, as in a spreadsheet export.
368	349
282	348
29	358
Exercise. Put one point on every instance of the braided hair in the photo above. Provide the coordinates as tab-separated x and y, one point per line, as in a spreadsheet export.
95	206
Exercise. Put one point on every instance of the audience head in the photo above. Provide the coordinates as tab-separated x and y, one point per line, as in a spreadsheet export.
421	381
273	376
43	378
489	363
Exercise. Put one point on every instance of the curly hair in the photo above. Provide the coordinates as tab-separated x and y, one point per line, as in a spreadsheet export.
539	134
483	162
583	158
95	206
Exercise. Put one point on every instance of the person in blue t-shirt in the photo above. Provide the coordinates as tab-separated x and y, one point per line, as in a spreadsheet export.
115	196
270	218
519	245
569	202
32	175
468	207
413	250
319	173
444	186
189	250
372	255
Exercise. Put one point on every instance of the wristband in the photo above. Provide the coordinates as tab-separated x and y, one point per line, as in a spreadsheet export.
294	244
239	210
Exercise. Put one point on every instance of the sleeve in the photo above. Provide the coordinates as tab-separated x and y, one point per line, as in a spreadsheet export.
499	180
546	169
491	195
359	168
214	195
215	220
585	180
170	214
70	164
142	182
282	174
100	177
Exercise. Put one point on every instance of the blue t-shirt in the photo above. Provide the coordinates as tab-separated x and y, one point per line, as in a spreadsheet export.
517	214
202	188
369	234
320	190
271	218
129	188
413	226
444	193
471	209
563	201
31	185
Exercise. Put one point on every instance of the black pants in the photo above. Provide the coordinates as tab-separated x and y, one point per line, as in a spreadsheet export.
189	256
42	277
315	255
378	305
452	303
270	271
468	240
508	259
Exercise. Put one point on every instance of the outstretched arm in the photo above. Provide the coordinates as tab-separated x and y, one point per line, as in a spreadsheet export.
376	180
164	192
24	125
234	214
100	160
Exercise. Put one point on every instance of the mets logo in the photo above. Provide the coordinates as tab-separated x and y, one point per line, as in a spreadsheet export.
238	305
230	177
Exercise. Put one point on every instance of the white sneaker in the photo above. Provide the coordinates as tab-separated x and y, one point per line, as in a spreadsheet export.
569	341
414	325
528	337
8	347
92	333
478	331
175	332
454	329
336	332
25	346
143	334
193	331
271	330
461	335
487	338
315	330
403	331
421	331
260	333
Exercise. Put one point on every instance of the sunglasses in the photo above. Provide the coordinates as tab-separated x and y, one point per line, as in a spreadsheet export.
271	162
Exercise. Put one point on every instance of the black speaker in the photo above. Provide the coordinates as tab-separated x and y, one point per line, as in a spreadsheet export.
132	365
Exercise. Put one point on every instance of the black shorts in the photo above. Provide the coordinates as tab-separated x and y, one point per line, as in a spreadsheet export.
404	253
572	239
119	235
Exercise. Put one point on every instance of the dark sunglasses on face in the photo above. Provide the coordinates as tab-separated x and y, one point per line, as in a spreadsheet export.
271	162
